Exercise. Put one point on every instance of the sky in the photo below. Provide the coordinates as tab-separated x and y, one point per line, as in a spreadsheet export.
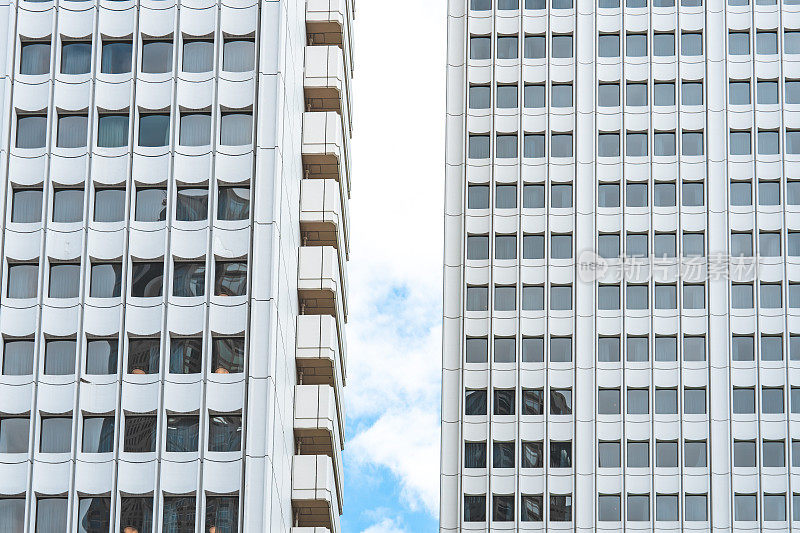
395	269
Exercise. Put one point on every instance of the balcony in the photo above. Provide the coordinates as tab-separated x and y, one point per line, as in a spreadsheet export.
324	216
320	353
318	426
310	530
321	283
315	502
327	82
328	23
325	148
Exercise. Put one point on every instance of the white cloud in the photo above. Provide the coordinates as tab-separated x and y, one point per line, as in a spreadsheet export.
394	330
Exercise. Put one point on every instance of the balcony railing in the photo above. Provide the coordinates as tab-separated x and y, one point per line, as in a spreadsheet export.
327	82
319	425
328	23
321	353
321	282
315	502
324	216
326	148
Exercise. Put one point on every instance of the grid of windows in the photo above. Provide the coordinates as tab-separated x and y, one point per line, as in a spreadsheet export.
625	150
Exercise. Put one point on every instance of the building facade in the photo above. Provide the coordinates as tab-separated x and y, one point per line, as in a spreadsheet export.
174	247
622	266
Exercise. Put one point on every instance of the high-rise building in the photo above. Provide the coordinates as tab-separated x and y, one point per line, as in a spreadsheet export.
622	266
174	248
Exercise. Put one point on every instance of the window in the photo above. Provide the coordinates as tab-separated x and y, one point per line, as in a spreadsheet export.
225	433
742	244
666	295
739	43
480	97
536	46
533	145
664	93
532	402
106	280
186	355
14	435
638	454
507	47
101	356
766	42
532	454
793	141
67	205
560	508
143	355
664	143
474	508
666	401
636	245
666	454
769	193
477	247
638	507
532	349
157	57
562	46
238	55
505	350
195	129
664	194
233	203
561	246
533	196
18	357
503	455
198	56
739	92
56	436
192	204
64	280
608	507
694	401
560	401
136	513
153	130
740	142
505	247
775	506
560	297
561	95
534	97
608	95
768	142
636	297
608	402
109	205
773	453
98	434
561	195
791	42
608	454
179	514
504	401
227	355
794	400
694	296
532	506
34	58
59	357
147	279
742	348
664	44
694	454
744	453
26	205
478	298
744	400
560	349
608	144
189	279
507	96
767	92
636	194
76	57
12	514
478	146
182	433
608	349
742	296
665	245
506	146
116	58
637	349
560	454
608	296
478	197
636	143
608	195
475	402
561	145
635	94
692	144
51	515
636	45
744	507
22	280
691	44
112	132
608	45
772	400
31	131
771	296
477	349
236	129
475	455
693	245
741	193
667	507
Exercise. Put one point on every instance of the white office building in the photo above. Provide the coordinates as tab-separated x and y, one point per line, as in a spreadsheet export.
622	266
174	247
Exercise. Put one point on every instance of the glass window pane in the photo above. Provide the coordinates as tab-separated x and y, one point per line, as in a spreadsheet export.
76	57
238	55
116	58
26	205
198	56
14	435
227	355
59	357
230	278
51	515
186	356
507	47
236	129
480	97
12	514
106	280
506	96
222	514
102	356
98	434
151	205
233	203
147	279
18	357
140	434
179	514
94	515
136	514
157	57
23	280
109	205
143	355
189	279
56	435
195	129
31	131
153	130
34	58
68	205
112	131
